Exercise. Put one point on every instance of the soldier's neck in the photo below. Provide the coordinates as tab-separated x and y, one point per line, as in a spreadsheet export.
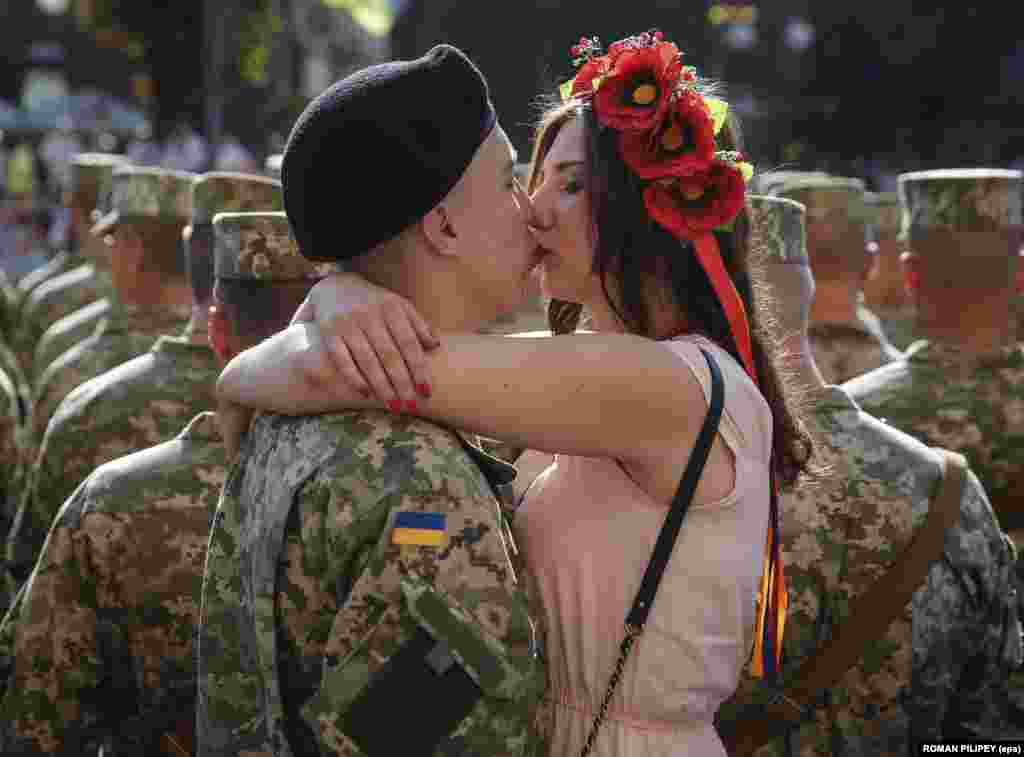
835	303
436	294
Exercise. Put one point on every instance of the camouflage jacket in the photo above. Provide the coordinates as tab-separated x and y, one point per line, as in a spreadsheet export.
54	267
844	350
49	302
127	333
973	405
134	405
944	663
307	601
101	638
66	332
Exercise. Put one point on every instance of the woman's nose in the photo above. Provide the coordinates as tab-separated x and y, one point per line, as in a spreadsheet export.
543	217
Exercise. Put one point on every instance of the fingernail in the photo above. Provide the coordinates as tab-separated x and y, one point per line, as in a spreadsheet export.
423	389
410	405
395	405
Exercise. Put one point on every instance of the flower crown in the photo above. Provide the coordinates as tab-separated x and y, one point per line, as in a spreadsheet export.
641	88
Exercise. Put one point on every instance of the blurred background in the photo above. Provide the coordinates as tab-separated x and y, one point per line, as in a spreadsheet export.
862	89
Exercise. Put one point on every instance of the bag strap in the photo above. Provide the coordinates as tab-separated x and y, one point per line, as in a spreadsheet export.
870	616
637	617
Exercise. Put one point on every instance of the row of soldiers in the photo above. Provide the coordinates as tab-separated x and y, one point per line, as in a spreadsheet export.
113	465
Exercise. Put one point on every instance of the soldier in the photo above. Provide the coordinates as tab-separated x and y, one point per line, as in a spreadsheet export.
846	337
962	385
151	206
940	669
358	564
138	528
884	293
69	290
96	177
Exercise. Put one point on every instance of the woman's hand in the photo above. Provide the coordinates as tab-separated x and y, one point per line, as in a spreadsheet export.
375	339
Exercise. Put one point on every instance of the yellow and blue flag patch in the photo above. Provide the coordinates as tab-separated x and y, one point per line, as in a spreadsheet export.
419	529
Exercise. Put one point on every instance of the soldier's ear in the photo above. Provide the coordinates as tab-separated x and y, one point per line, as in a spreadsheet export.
438	230
911	272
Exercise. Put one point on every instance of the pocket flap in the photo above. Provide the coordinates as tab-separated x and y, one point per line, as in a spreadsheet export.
485	658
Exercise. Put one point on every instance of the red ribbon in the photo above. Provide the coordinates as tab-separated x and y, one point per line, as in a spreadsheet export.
710	258
772	597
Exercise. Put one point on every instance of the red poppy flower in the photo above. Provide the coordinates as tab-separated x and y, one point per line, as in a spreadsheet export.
634	94
684	144
692	205
583	83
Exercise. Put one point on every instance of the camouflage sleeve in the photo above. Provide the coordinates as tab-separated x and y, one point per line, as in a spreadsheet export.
54	655
462	592
967	634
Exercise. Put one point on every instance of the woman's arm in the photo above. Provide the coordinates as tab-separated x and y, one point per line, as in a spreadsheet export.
606	395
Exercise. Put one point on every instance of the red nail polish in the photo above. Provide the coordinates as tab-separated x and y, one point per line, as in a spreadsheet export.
395	405
423	389
410	405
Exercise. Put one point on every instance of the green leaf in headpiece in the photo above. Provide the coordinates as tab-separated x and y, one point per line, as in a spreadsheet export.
566	90
719	110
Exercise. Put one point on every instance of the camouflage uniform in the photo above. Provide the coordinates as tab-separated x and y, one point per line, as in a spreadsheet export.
101	639
127	332
306	598
941	668
53	299
56	265
835	227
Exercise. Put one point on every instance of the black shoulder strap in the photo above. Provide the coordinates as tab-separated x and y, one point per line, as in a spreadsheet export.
681	503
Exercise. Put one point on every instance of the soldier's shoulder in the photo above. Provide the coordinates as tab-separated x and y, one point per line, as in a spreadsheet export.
883	453
182	472
361	430
369	450
110	385
53	286
891	377
76	319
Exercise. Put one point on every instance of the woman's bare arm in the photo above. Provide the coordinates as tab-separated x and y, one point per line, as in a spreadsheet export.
607	395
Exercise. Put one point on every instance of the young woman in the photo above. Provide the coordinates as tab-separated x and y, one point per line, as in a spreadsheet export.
639	201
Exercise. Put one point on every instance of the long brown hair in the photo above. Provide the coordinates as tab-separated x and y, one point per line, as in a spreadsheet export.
632	248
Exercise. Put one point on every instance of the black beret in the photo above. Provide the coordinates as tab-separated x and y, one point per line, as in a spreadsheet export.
379	149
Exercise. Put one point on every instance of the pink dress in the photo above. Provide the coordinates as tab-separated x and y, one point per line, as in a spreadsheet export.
587	531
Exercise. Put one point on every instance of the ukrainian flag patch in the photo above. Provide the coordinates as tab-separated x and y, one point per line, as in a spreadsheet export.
419	529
